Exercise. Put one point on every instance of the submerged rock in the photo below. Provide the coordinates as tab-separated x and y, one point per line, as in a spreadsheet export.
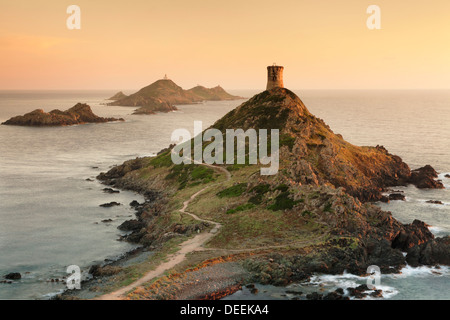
13	276
131	225
134	203
397	196
435	202
110	204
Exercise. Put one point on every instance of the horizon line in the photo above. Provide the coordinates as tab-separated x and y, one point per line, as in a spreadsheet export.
246	89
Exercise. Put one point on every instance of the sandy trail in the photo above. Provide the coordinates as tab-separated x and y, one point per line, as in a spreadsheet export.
186	247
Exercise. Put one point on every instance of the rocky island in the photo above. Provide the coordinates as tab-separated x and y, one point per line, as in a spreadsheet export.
79	114
162	95
216	228
119	95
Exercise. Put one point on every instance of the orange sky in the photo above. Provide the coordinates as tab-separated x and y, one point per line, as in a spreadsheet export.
129	44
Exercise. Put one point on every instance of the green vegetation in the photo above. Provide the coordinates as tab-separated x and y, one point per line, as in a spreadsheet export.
307	214
234	191
191	173
162	160
328	207
256	199
261	188
283	202
282	187
264	109
287	140
242	207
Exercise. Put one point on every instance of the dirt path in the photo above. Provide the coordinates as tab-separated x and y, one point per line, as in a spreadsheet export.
186	247
191	245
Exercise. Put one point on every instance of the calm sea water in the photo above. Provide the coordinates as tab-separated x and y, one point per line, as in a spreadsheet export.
50	216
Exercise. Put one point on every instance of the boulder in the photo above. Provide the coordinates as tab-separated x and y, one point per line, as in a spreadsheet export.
424	178
412	235
110	190
358	292
13	276
314	296
131	225
134	203
430	253
397	196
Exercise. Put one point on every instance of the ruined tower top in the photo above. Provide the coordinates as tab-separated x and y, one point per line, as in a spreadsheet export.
274	77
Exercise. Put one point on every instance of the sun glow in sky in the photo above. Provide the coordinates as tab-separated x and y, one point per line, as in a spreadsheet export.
323	44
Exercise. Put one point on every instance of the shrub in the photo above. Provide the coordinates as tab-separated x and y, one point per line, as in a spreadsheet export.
283	202
234	191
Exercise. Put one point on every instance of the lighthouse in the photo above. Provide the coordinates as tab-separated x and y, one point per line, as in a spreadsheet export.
274	77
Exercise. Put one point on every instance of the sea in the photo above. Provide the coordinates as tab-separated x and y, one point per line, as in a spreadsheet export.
50	214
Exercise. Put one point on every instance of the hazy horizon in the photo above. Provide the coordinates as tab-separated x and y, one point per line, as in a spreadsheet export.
323	46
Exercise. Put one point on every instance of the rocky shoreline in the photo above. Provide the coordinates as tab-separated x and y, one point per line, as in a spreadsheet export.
405	243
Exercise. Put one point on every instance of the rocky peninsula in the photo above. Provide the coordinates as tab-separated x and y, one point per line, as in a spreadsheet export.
164	94
215	228
79	114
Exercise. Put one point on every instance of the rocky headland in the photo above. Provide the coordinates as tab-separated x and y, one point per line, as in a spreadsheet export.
315	216
78	114
164	94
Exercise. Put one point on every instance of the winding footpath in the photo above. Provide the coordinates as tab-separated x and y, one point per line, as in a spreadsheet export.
186	247
191	245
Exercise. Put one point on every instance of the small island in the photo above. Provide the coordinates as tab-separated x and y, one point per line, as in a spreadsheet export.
162	95
79	114
119	95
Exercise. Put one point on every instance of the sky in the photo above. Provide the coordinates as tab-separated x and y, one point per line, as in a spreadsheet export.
126	45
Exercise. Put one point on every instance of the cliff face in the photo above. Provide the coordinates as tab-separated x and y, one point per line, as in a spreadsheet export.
162	95
78	114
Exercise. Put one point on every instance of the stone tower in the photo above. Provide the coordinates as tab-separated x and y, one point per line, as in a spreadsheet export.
274	77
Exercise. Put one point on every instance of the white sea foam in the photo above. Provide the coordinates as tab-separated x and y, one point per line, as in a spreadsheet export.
436	230
445	180
422	271
348	280
53	294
